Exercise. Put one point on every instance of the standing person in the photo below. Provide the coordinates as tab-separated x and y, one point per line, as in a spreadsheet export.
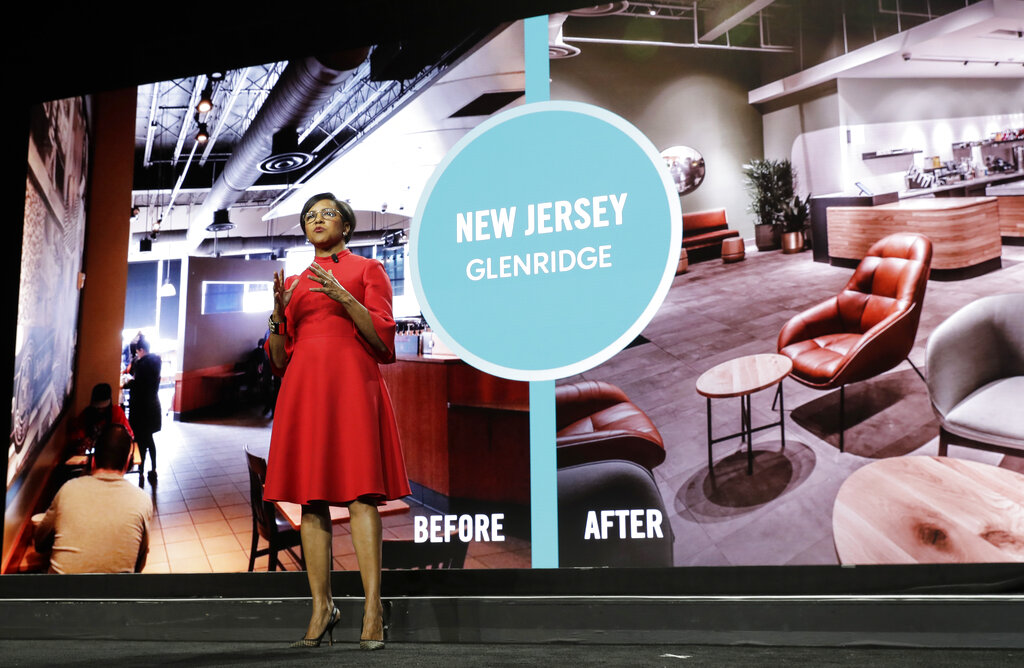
335	439
144	413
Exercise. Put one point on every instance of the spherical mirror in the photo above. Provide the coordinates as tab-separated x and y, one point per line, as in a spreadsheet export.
686	165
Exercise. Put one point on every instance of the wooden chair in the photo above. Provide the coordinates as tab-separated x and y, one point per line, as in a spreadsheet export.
267	522
77	465
136	464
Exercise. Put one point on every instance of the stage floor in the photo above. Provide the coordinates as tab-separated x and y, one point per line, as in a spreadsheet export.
193	654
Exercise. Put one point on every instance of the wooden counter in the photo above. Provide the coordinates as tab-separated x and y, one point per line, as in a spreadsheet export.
1011	215
1011	207
964	231
465	434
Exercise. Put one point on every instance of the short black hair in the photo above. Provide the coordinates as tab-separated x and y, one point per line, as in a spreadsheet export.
143	344
347	214
100	392
113	447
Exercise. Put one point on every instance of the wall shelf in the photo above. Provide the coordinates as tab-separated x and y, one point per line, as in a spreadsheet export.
876	156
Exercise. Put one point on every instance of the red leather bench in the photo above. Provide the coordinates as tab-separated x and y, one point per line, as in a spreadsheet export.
706	230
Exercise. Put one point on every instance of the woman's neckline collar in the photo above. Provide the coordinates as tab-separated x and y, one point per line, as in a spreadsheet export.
328	258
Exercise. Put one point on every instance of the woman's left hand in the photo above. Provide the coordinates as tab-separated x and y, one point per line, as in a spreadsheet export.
329	285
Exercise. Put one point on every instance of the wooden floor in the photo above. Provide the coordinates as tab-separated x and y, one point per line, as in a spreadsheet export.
782	514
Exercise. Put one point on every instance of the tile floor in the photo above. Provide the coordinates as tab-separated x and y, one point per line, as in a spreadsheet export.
202	519
716	312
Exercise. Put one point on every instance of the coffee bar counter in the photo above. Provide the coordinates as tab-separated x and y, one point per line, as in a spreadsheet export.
465	434
964	230
975	187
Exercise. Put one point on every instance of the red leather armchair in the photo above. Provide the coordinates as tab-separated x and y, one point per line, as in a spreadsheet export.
869	327
596	421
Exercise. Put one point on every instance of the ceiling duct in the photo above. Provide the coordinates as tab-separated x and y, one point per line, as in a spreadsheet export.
602	9
285	155
221	222
304	87
557	48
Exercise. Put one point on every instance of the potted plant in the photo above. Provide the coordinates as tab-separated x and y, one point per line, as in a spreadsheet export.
770	184
794	222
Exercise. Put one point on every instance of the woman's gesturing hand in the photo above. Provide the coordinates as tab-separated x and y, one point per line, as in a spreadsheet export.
282	294
329	285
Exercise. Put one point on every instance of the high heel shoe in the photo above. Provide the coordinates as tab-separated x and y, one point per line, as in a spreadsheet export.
328	630
385	621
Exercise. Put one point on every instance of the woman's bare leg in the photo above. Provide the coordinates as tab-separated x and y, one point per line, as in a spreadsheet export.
316	534
366	539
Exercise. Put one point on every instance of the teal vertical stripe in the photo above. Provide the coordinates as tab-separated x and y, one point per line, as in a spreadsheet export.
543	477
538	68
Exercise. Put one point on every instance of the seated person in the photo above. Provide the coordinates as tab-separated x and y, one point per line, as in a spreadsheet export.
94	418
99	523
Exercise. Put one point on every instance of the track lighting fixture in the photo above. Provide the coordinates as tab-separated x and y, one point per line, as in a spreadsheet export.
203	135
206	101
958	59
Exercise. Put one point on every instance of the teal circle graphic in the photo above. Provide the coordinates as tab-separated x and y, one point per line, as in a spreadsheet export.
545	241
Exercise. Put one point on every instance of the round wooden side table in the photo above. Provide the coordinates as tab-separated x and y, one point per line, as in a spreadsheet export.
741	377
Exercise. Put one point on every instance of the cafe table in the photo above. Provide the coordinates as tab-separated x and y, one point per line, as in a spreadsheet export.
927	510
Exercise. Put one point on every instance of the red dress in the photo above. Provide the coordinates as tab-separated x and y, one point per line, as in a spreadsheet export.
335	438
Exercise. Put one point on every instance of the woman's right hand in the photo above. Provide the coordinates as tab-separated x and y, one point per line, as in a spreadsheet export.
282	294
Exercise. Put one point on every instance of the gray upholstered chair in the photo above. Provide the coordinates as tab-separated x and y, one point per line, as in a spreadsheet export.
976	375
599	501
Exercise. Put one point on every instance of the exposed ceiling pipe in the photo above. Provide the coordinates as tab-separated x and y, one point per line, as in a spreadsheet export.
304	87
242	245
228	245
237	245
177	185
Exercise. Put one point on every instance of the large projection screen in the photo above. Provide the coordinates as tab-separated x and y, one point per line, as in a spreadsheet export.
635	484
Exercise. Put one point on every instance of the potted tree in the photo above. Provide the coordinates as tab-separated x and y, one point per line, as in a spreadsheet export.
794	222
770	185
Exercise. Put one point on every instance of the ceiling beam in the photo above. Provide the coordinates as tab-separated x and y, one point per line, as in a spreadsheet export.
728	15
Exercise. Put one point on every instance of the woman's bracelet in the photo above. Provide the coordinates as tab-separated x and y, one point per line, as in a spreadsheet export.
276	327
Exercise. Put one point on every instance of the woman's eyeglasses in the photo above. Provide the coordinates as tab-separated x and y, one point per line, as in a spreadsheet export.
326	214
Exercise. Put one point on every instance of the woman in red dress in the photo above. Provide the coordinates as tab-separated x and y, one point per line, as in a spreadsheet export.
335	440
